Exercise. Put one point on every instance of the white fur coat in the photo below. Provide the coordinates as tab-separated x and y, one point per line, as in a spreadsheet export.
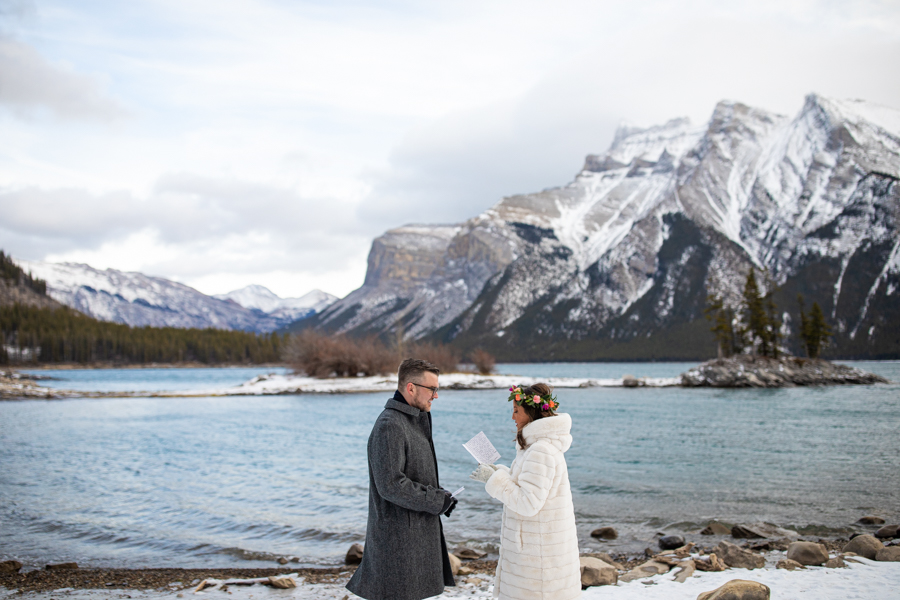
539	544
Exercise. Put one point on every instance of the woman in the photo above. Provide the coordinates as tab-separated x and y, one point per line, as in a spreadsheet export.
539	544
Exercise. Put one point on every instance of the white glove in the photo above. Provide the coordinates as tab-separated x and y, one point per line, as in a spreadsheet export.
483	473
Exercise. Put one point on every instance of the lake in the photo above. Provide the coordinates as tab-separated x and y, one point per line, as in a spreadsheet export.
241	481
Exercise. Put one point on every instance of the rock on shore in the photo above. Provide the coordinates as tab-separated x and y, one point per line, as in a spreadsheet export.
762	372
14	386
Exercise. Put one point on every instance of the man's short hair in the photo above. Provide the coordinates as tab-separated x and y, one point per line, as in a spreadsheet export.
414	368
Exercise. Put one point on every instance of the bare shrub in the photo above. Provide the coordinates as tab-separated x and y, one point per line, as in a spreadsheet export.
445	358
318	355
374	357
484	361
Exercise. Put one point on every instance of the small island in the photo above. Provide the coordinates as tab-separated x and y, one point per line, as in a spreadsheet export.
749	336
746	371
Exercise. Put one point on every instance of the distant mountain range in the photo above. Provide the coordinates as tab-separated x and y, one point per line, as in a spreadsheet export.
618	263
284	310
138	300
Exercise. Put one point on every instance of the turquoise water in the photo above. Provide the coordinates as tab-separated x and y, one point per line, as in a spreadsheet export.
148	380
242	480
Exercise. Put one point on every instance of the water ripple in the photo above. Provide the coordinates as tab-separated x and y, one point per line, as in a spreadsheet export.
232	481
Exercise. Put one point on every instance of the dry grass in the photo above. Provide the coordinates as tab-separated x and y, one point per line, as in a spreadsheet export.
319	355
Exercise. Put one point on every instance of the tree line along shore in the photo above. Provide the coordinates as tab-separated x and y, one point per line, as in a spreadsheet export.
62	335
37	331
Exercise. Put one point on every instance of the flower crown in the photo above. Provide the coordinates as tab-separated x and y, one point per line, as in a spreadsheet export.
545	402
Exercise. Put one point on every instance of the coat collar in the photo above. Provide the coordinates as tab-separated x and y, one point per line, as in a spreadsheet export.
398	402
554	430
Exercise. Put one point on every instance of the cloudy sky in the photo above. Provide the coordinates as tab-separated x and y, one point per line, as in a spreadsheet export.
226	142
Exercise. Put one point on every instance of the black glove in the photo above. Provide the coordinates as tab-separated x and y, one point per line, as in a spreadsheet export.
449	504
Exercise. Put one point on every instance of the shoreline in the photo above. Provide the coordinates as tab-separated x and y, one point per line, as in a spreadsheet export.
151	578
272	384
24	388
176	579
743	371
679	573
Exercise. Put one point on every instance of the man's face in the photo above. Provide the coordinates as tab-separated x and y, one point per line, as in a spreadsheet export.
418	393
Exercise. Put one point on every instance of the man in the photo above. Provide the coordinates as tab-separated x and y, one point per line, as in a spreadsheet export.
405	555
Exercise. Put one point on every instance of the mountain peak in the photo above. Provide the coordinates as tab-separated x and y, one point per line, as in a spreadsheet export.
856	112
624	255
259	297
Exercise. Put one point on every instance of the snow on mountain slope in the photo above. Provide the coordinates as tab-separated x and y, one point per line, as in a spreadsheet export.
253	296
670	213
138	300
285	310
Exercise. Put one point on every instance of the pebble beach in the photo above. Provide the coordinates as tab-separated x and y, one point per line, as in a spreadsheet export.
862	579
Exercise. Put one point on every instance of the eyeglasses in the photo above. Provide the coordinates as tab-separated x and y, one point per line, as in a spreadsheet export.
434	390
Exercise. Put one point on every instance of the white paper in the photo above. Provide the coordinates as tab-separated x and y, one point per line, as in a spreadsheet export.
482	449
458	492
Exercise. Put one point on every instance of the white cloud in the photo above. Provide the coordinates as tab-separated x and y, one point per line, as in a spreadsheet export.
30	84
458	165
269	142
194	229
289	267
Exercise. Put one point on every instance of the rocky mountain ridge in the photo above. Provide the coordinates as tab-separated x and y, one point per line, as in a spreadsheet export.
140	300
617	264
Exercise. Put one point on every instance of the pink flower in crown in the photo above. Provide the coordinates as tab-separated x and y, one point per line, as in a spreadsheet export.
545	407
536	399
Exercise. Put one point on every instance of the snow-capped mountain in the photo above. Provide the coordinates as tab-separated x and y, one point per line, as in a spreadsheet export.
618	263
138	300
284	310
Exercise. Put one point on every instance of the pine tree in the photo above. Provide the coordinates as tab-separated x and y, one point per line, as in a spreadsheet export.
728	338
814	330
756	321
773	327
804	326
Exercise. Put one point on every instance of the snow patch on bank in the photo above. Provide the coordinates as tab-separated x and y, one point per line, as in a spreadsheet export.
296	384
864	580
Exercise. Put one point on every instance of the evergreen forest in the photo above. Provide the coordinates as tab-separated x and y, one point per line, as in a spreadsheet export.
43	335
14	275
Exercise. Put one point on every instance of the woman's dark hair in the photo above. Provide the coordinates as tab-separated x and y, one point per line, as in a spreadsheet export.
534	413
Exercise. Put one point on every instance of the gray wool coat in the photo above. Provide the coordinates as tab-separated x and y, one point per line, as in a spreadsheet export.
405	555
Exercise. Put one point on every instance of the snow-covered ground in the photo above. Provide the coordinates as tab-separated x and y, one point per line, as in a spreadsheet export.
864	580
296	384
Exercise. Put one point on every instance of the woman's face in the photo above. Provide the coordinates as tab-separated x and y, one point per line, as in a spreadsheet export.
520	416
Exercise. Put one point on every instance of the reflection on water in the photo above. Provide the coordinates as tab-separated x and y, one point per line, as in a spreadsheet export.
234	481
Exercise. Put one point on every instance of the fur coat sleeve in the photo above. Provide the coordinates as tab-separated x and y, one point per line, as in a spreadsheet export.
527	495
